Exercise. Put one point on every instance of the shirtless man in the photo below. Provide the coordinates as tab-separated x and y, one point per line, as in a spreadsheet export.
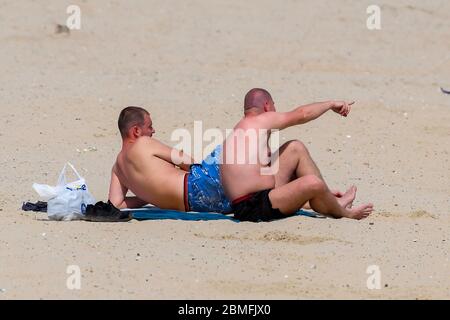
146	167
257	196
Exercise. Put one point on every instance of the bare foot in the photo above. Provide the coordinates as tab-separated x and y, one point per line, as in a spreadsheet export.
360	212
347	198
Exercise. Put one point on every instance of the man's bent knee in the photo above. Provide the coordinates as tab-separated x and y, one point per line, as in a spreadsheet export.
314	183
296	146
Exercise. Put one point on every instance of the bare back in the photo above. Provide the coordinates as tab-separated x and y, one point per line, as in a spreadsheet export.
141	169
246	156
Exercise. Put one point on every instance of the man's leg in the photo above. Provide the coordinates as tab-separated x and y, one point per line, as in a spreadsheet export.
292	196
294	161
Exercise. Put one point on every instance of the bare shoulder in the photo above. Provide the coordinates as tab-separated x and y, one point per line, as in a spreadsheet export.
268	116
145	146
148	141
260	121
142	144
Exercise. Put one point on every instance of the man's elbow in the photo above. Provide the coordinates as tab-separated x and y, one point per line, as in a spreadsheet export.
302	116
117	204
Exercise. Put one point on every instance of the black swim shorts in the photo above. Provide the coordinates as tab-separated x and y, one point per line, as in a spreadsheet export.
255	207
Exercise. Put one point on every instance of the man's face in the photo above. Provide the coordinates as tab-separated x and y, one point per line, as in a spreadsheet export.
147	127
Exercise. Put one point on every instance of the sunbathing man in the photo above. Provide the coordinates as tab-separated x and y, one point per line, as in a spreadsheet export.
261	193
147	168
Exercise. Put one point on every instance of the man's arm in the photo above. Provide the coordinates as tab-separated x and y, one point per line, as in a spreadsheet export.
171	155
304	114
118	192
185	160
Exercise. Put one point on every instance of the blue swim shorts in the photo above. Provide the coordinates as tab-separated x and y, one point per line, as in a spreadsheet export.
203	188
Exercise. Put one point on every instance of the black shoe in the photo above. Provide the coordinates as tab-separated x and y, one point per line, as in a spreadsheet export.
105	212
39	206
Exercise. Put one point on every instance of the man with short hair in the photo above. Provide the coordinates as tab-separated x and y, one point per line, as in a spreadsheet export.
147	168
258	192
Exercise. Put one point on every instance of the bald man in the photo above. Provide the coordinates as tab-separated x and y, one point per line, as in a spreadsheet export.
260	193
148	168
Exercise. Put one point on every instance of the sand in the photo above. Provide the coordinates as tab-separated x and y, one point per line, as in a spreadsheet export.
195	60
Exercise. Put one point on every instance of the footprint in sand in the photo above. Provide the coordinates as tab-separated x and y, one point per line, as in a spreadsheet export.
60	28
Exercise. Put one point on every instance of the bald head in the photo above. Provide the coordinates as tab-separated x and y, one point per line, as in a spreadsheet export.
257	98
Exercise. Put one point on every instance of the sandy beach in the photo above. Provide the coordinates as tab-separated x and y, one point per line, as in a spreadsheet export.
186	61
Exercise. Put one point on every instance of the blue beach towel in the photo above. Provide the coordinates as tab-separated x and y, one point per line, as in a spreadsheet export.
154	213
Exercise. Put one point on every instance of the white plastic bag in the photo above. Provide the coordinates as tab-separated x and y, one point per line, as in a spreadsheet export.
66	201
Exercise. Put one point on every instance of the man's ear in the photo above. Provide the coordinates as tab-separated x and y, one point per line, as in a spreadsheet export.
266	107
136	131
